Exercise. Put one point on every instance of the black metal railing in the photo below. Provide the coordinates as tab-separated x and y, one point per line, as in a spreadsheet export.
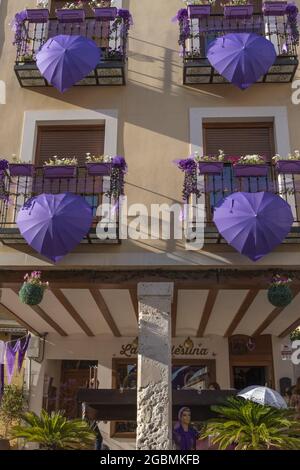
197	34
17	191
110	37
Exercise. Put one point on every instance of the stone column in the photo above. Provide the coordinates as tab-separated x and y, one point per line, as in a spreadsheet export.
154	392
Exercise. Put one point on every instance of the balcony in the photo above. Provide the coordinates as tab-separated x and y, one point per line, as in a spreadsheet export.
19	189
213	188
110	37
197	34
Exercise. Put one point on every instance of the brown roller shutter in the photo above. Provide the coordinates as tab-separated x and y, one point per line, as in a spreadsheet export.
69	141
238	139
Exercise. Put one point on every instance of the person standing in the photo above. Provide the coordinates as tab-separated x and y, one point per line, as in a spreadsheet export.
184	434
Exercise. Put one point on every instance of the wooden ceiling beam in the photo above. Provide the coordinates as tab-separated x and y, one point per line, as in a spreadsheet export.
103	308
208	308
241	312
290	328
26	325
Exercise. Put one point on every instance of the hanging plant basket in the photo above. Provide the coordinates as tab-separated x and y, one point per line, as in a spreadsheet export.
59	171
280	296
37	15
199	11
70	16
105	14
288	167
21	169
274	8
238	11
31	294
241	170
211	168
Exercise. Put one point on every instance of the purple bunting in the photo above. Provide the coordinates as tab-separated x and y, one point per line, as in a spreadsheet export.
11	351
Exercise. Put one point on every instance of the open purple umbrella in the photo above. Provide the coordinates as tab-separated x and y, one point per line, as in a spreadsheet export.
254	223
65	60
242	58
54	224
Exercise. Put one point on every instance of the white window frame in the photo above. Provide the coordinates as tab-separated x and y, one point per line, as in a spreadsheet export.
277	114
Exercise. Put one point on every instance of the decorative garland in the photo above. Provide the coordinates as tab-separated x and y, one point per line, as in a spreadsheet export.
292	20
279	292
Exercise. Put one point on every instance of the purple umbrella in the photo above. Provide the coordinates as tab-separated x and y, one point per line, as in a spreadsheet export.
65	60
242	58
54	224
254	223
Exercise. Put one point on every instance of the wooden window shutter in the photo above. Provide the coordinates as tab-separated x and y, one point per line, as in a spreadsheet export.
237	139
69	141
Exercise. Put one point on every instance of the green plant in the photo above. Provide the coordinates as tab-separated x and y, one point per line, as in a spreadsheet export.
98	158
291	156
199	2
235	3
295	335
251	160
12	407
250	426
218	158
57	161
53	431
32	290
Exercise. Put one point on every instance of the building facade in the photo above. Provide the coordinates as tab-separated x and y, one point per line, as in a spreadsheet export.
149	314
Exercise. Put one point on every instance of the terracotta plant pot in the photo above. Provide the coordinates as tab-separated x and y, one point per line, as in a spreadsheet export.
21	169
98	169
199	11
37	15
288	167
238	11
4	444
240	170
211	168
274	8
70	16
59	171
105	14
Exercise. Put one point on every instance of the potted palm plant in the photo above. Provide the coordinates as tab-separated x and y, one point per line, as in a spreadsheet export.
103	10
250	165
250	426
11	409
60	167
98	165
274	8
19	168
32	290
234	9
210	165
289	164
71	12
199	8
53	431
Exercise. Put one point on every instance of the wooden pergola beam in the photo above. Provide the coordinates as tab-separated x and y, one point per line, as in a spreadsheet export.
18	319
273	315
208	308
44	316
72	311
241	312
103	308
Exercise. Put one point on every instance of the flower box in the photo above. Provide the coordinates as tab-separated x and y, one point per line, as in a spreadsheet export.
198	11
59	171
288	166
241	170
70	16
211	168
105	14
274	8
37	15
238	11
98	169
21	169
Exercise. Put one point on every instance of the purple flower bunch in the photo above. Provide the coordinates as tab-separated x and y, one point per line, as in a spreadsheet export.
118	170
184	26
190	185
3	165
17	27
292	20
280	280
187	165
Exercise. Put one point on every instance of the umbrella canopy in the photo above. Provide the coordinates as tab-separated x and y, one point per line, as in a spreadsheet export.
253	223
54	224
263	396
65	60
242	58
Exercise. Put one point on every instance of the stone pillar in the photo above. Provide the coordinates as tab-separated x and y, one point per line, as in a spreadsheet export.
154	392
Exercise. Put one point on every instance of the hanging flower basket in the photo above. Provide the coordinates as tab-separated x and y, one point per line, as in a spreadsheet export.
241	170
211	168
199	11
32	290
280	296
59	171
288	167
98	169
21	169
238	11
70	16
105	14
274	8
37	15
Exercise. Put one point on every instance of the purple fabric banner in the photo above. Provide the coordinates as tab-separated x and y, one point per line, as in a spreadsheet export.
11	351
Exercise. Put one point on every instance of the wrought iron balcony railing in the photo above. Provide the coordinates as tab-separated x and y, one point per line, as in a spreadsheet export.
213	188
110	36
196	35
17	190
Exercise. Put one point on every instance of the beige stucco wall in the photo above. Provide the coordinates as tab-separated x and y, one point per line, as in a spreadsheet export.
153	126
